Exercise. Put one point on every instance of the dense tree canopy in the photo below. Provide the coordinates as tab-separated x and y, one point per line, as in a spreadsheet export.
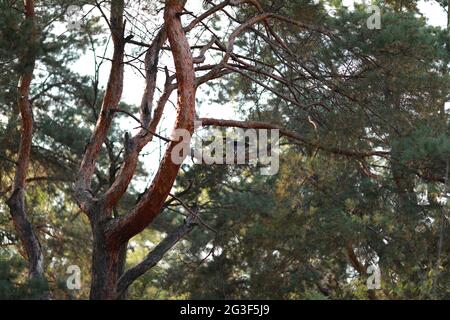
362	115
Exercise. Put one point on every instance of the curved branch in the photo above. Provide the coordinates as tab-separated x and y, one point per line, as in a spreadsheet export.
155	255
122	229
16	202
111	100
148	124
206	14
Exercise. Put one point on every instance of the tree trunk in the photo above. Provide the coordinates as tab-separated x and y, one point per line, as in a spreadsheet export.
27	236
105	271
105	262
111	234
122	263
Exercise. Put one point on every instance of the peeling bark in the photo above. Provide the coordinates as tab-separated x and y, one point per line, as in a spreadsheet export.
111	233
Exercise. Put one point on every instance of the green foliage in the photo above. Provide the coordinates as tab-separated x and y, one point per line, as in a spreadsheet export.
13	283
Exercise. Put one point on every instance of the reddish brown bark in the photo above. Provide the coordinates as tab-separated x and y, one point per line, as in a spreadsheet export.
155	255
151	203
110	234
105	262
16	202
149	123
111	100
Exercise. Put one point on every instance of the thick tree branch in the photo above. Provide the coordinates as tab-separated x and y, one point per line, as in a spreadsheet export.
359	267
136	144
111	100
16	202
205	15
122	229
155	255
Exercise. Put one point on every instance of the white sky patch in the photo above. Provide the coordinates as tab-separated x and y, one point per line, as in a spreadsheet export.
447	107
435	14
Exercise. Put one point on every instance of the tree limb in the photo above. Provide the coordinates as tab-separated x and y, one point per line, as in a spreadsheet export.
16	202
111	100
155	255
122	229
